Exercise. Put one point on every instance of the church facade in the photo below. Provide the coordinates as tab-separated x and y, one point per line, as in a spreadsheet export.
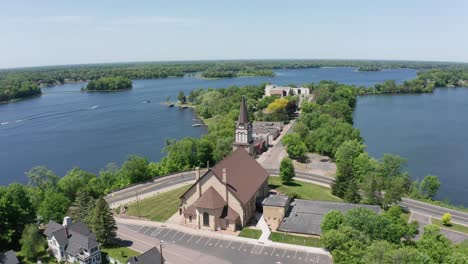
225	197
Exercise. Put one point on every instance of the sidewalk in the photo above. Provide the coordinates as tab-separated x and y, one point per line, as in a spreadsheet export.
264	227
212	234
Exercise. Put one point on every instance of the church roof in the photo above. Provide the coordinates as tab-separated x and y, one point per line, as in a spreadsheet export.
244	174
243	115
210	199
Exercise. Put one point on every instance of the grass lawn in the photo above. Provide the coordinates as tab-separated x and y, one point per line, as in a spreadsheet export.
303	190
296	240
159	207
461	247
250	233
405	216
118	252
459	228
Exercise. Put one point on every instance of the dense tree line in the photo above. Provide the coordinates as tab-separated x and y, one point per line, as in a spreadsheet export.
368	68
109	84
363	236
24	82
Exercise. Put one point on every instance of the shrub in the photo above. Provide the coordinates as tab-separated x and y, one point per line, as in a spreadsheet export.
446	219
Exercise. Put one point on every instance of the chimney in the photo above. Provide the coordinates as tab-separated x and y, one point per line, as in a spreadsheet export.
226	186
197	178
67	221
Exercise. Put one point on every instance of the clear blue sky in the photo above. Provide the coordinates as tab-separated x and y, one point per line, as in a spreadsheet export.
50	32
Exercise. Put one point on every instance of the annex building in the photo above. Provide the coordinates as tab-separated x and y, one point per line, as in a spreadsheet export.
225	197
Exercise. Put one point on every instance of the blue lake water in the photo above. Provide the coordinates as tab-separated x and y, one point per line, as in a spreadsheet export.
64	127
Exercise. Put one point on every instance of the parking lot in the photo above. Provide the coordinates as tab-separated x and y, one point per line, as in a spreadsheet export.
230	250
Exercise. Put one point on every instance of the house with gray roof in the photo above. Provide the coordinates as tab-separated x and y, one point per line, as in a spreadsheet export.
305	216
152	256
8	257
73	242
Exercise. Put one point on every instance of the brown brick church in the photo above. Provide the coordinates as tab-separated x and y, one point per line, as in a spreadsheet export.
225	196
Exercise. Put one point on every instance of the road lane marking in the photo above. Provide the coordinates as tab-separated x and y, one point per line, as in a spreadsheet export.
199	240
284	253
217	243
307	254
295	254
182	236
174	235
207	241
273	251
188	241
153	233
229	244
147	227
240	247
170	230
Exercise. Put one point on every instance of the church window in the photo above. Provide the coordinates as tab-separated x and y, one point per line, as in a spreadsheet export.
206	219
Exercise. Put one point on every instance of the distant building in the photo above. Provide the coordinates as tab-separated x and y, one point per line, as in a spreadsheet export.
73	242
271	89
152	256
268	131
8	257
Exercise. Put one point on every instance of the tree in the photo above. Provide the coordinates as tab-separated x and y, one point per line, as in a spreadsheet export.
181	97
332	220
82	206
74	180
434	244
135	169
32	242
429	186
295	146
446	219
16	211
345	156
277	106
42	177
287	172
102	222
54	206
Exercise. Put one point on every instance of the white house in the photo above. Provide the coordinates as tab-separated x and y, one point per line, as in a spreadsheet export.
73	242
272	89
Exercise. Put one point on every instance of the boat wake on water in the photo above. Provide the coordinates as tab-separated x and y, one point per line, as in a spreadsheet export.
94	107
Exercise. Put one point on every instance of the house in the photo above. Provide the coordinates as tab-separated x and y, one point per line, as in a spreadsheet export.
268	131
8	257
73	242
271	89
275	208
305	216
152	256
226	196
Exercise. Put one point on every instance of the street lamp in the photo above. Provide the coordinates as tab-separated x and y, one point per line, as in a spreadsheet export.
161	243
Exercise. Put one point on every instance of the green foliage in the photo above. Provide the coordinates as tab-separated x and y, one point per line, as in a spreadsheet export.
73	181
42	177
295	146
446	219
250	233
54	206
101	221
134	169
287	172
32	242
429	186
181	97
83	205
332	220
109	84
16	211
345	181
434	244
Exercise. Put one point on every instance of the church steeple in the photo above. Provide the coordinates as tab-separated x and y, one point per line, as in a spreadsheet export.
243	129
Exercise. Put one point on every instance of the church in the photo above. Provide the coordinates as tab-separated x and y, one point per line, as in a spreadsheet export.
225	197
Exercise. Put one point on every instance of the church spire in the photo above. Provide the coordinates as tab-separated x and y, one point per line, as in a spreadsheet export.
243	115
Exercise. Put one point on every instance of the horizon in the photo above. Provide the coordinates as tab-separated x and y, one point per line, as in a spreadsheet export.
56	33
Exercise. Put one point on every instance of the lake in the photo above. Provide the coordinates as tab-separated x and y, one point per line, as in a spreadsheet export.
65	127
429	130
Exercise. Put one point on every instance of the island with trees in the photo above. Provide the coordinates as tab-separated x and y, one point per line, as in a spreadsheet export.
26	82
108	84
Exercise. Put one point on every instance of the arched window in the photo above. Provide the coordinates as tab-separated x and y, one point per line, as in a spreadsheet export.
206	219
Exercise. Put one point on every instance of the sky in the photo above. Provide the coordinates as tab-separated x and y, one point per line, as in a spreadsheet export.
47	32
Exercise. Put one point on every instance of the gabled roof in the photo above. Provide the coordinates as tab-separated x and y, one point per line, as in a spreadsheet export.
8	257
79	236
152	256
243	115
210	199
244	174
51	227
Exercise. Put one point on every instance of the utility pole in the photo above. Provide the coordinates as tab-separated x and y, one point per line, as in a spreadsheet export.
138	204
161	243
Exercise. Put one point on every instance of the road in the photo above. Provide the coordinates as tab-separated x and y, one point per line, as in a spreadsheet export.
185	247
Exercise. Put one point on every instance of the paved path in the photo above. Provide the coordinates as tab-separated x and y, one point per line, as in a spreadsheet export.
186	246
264	227
423	220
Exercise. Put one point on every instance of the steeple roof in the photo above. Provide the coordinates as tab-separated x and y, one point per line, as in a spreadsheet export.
243	115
